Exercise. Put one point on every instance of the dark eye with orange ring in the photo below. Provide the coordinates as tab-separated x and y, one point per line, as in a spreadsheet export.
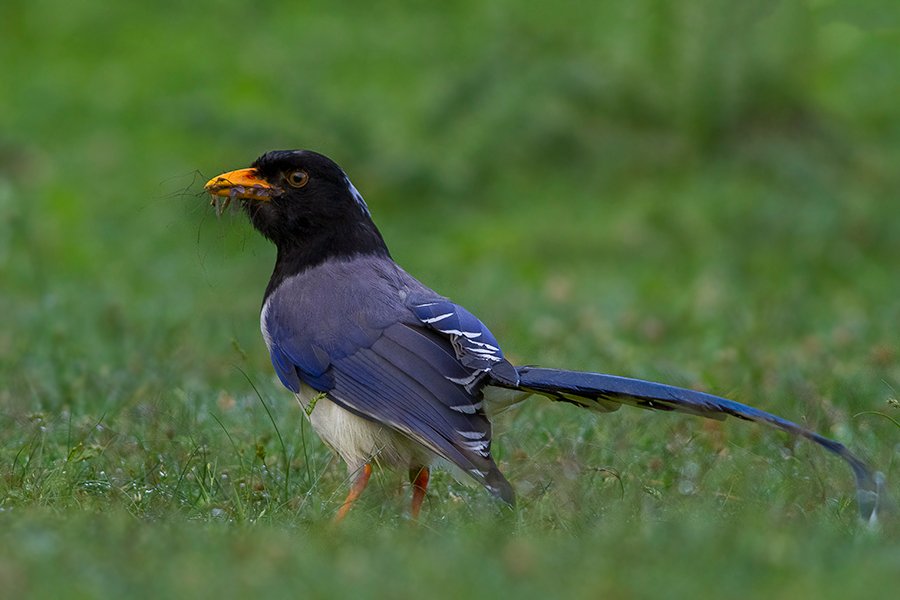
297	179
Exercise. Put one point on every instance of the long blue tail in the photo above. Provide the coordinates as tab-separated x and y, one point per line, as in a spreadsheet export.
607	392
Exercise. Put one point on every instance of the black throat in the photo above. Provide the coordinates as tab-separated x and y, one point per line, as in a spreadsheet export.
300	253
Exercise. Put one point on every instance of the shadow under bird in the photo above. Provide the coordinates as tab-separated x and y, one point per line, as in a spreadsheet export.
390	371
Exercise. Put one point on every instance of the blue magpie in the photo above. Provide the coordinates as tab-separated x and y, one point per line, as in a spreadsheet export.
391	372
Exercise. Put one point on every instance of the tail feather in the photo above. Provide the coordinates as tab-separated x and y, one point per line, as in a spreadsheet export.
605	392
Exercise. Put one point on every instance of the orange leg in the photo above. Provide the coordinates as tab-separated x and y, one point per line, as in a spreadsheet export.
359	484
419	479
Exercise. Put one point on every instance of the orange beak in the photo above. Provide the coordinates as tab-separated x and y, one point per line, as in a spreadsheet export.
243	183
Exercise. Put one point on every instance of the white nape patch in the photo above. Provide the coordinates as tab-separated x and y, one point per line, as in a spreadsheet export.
356	195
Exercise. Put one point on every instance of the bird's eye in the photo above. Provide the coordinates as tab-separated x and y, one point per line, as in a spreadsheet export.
297	179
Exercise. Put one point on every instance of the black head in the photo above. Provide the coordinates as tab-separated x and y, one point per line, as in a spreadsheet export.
305	204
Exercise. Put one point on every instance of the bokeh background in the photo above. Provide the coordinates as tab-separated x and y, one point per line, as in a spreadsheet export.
703	192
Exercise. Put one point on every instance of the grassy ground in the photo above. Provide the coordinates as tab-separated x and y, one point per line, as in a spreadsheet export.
690	192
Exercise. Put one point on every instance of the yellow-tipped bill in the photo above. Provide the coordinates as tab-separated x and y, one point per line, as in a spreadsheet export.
243	183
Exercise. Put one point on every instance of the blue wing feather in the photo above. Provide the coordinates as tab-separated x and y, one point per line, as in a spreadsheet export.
474	344
404	380
296	362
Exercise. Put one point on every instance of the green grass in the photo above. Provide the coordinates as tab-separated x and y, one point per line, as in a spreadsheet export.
692	192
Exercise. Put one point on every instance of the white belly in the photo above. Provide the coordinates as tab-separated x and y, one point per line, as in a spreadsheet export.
357	440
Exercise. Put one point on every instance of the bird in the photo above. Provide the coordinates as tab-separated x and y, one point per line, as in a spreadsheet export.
392	373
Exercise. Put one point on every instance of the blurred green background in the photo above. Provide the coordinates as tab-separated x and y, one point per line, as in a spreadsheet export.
700	192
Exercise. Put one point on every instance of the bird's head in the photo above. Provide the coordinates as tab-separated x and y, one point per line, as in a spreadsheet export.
303	202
